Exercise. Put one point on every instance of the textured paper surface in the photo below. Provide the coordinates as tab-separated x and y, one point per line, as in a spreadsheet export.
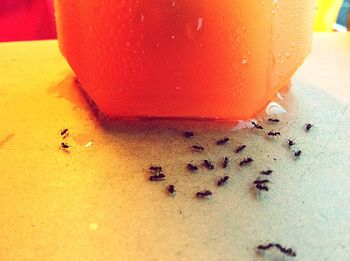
95	203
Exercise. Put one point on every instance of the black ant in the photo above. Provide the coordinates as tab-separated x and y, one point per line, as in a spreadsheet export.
188	134
171	189
240	148
274	133
226	162
204	194
246	161
266	172
286	251
308	126
223	180
261	184
223	141
265	247
208	164
157	177
257	126
290	142
263	181
155	168
297	153
64	146
64	133
274	120
261	187
192	167
197	148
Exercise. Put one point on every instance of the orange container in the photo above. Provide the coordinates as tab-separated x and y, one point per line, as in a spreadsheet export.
221	59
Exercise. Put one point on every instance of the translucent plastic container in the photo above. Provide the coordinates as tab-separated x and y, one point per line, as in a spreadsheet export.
221	59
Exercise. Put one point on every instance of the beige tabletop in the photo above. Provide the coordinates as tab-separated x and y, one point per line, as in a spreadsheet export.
96	203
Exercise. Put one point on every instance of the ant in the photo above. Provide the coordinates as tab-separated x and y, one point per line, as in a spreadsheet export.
266	172
290	142
192	167
240	148
308	126
188	134
223	180
208	164
286	251
261	187
274	120
274	133
258	181
246	161
257	126
197	148
204	194
226	162
261	184
155	168
64	146
64	133
297	153
157	177
223	141
265	247
171	189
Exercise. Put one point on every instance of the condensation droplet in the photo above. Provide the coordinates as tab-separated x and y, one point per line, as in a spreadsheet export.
274	109
200	24
88	145
279	96
244	125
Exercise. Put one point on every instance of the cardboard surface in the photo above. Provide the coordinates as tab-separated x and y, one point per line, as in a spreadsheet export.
95	202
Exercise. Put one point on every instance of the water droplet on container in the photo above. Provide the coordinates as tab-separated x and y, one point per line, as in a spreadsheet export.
274	109
244	125
279	96
88	145
200	24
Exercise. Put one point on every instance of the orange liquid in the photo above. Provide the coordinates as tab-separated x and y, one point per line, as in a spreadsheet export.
186	58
